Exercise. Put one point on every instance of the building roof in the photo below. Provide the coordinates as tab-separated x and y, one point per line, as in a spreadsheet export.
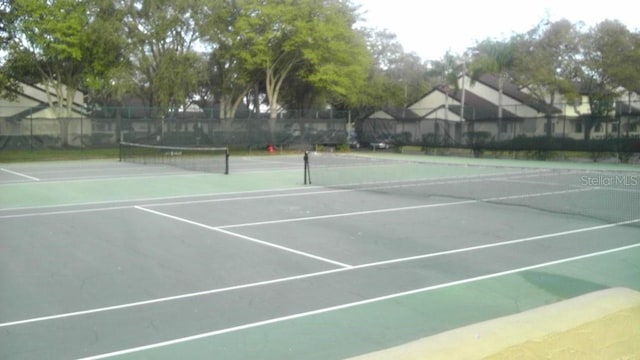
476	108
35	98
623	108
513	91
398	113
509	89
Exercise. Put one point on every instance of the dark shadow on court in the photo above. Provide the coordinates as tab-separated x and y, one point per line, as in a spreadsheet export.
562	286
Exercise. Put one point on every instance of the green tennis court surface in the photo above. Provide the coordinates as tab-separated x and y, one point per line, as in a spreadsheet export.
102	259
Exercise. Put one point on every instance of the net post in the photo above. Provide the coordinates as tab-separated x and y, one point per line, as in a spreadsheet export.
307	171
226	161
120	141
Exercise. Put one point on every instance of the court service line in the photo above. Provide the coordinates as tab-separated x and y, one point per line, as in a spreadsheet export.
319	190
90	179
404	208
287	193
373	186
248	238
351	305
315	274
434	181
20	174
163	198
66	212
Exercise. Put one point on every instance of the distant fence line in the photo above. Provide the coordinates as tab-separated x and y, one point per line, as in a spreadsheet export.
25	128
28	130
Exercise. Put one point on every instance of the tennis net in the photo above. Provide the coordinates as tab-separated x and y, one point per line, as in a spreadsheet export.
205	159
608	194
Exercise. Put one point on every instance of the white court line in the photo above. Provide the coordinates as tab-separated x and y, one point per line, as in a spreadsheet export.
163	198
106	178
20	174
404	208
350	305
316	274
629	189
436	181
222	229
417	182
373	186
66	212
261	242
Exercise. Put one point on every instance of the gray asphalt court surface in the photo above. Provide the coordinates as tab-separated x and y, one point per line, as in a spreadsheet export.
103	259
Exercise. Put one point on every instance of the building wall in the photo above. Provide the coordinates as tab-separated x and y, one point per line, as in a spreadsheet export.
443	113
30	115
434	100
39	93
577	108
10	108
380	115
492	95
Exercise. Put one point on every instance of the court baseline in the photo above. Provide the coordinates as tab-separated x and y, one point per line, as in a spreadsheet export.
350	305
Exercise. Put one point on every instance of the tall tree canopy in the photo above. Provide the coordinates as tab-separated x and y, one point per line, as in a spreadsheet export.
396	79
294	54
497	58
311	40
52	48
6	25
608	53
547	63
162	35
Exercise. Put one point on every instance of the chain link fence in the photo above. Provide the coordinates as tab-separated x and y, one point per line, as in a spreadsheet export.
26	128
30	128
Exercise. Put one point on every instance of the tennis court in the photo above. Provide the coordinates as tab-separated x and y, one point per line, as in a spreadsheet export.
107	259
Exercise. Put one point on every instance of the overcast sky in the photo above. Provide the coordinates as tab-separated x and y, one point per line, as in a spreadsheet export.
431	28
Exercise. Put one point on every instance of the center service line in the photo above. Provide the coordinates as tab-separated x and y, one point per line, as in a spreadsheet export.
316	274
19	174
404	208
261	242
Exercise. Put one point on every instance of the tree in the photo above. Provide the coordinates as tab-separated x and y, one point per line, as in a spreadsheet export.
382	89
395	78
411	75
50	40
7	84
607	48
310	39
65	46
229	84
162	35
108	71
547	63
384	47
447	72
6	23
228	78
623	67
497	58
337	61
